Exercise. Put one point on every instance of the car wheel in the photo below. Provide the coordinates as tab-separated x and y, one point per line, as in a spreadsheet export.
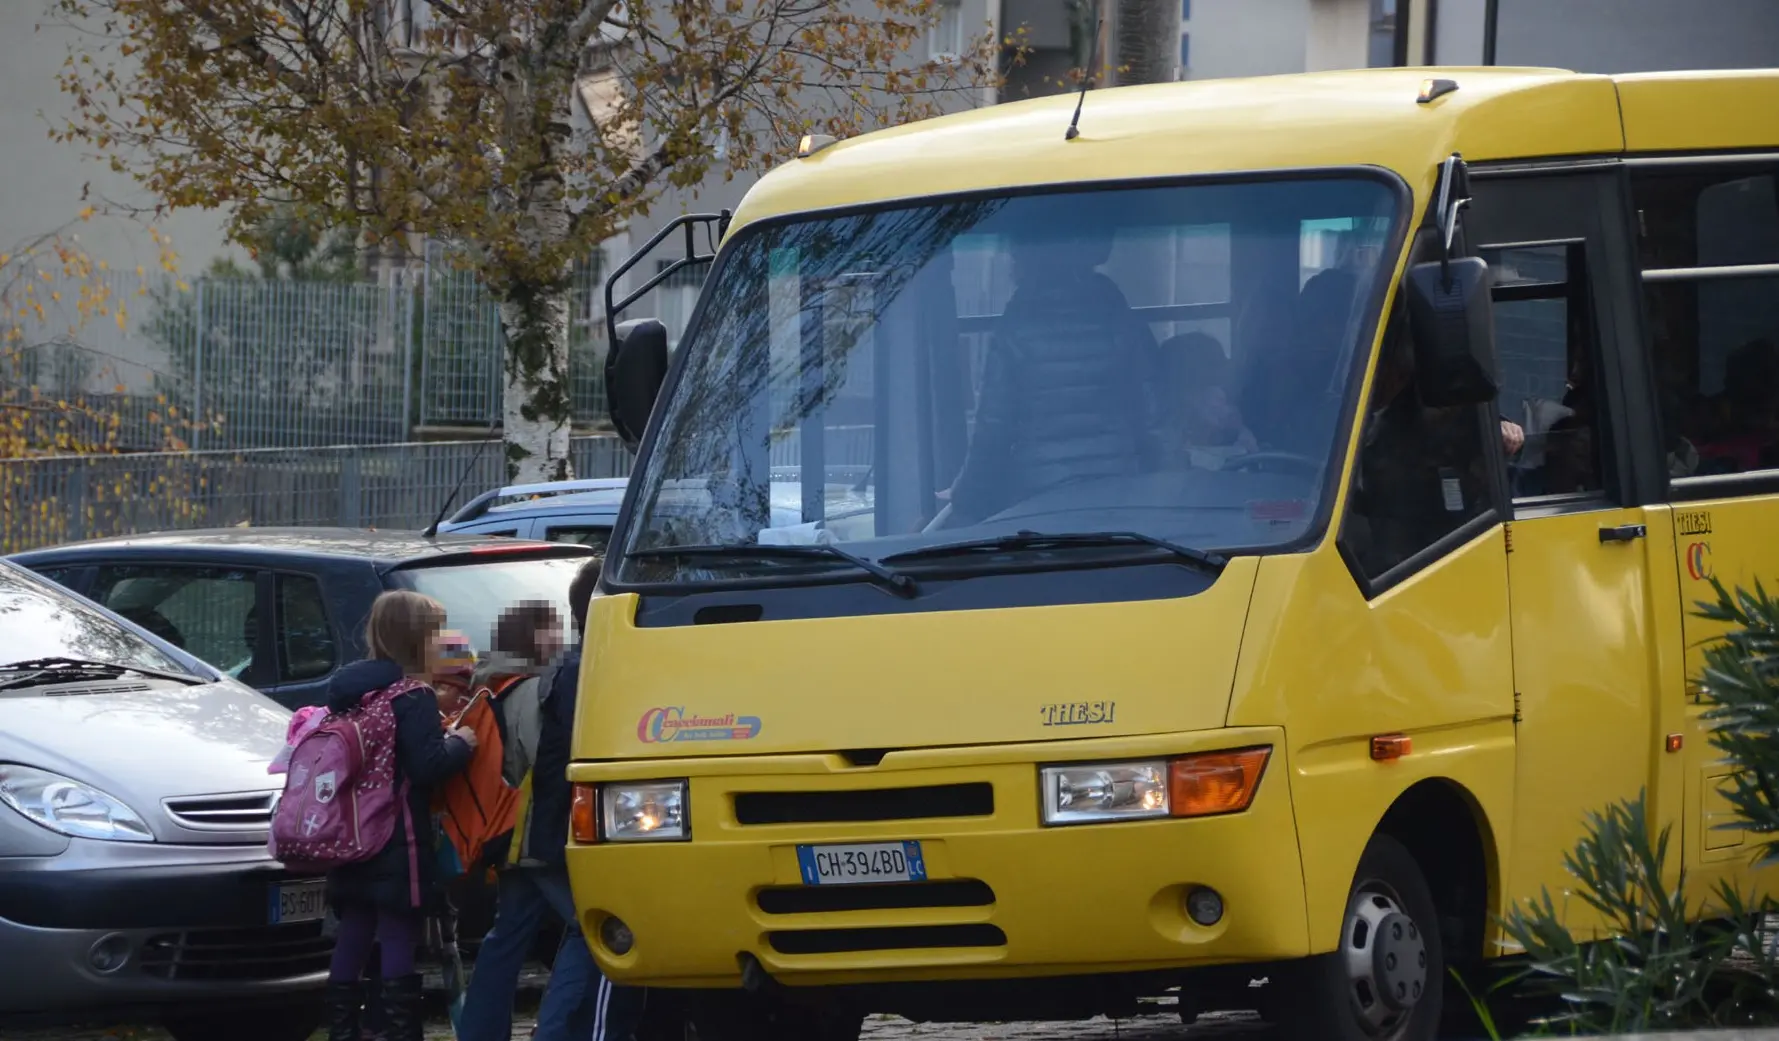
284	1023
1386	979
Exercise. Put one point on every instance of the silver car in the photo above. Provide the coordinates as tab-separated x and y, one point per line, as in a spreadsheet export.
134	801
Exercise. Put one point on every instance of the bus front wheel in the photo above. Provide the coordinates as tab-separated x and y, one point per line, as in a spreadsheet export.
1384	981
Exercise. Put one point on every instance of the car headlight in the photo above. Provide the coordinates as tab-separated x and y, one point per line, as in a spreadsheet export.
69	807
1188	786
644	811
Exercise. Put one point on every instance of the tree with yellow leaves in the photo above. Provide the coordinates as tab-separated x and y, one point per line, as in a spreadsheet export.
52	401
526	131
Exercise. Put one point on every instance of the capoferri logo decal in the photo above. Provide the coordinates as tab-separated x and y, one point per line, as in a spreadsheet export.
674	723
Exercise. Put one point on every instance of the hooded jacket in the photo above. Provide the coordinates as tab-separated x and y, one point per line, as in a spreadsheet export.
424	756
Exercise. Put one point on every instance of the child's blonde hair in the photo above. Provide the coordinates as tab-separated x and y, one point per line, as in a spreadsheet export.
402	627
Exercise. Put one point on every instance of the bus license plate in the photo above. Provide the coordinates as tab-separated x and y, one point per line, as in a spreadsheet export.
861	862
298	902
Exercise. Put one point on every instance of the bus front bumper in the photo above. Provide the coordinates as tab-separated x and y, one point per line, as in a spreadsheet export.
1005	896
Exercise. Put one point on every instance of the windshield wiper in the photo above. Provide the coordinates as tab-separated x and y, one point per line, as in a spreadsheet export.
894	581
39	671
1036	540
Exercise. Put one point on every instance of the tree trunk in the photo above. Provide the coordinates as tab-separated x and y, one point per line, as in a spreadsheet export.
1148	41
535	399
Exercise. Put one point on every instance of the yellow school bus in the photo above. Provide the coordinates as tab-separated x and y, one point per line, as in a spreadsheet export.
1226	540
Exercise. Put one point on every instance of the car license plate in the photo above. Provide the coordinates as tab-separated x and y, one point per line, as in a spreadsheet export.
861	862
298	902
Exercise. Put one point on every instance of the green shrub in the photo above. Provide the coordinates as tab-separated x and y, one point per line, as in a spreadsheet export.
1741	680
1659	971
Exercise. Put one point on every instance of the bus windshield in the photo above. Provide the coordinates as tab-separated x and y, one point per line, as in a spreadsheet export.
1166	361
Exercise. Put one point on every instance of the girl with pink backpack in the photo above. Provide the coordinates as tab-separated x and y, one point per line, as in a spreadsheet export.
357	805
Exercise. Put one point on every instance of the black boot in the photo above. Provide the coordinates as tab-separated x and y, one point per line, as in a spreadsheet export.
403	1016
343	1002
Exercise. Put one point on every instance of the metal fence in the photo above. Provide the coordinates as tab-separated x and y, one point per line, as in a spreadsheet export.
50	500
47	501
248	363
460	376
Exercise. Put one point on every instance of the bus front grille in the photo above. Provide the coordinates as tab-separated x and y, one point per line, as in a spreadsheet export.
885	938
866	804
891	896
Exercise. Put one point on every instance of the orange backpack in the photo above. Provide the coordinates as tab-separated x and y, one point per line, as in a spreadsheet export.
476	807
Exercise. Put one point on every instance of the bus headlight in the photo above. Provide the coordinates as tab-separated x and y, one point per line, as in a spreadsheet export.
1105	792
643	811
1188	786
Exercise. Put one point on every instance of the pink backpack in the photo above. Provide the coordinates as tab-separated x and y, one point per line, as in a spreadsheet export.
340	800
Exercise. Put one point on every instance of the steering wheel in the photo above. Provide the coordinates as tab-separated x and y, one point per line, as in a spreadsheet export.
1305	463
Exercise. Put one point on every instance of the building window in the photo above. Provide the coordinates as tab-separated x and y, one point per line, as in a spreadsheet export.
945	40
1185	51
1185	10
1382	52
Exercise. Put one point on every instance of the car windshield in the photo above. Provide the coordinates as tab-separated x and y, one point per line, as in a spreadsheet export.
1169	361
38	623
474	595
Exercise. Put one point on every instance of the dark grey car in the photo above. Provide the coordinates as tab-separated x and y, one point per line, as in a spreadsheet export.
134	802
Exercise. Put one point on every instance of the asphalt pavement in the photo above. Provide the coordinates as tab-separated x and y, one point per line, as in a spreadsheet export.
1165	1026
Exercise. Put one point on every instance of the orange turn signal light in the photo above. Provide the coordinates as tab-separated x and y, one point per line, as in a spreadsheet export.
1386	747
1216	782
583	814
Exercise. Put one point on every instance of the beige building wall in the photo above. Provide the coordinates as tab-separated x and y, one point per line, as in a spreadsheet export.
41	180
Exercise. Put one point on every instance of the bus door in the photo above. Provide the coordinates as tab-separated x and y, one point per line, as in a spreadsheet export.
1708	250
1588	564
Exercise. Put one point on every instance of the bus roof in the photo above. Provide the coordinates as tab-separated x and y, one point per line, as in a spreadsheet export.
1313	120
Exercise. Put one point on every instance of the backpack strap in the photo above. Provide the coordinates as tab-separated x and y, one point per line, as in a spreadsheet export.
413	846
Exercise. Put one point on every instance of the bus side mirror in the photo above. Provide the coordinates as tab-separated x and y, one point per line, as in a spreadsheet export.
635	368
1451	320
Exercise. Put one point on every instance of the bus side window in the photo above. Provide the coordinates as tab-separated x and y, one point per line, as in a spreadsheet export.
1422	475
1714	323
1544	338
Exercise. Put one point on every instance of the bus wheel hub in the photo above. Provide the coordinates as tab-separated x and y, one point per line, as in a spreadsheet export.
1399	963
1386	958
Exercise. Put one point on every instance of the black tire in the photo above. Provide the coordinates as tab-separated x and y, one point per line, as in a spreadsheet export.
283	1023
1386	980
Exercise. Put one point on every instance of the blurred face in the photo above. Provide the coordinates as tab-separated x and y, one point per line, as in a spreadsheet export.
452	690
434	655
550	641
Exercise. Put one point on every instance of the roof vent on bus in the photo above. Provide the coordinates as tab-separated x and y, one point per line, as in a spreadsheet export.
1432	90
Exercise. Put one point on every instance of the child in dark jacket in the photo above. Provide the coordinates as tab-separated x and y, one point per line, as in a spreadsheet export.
382	901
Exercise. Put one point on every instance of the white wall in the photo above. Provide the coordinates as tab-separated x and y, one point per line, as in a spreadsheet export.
1248	37
1458	32
1339	36
1609	36
42	180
